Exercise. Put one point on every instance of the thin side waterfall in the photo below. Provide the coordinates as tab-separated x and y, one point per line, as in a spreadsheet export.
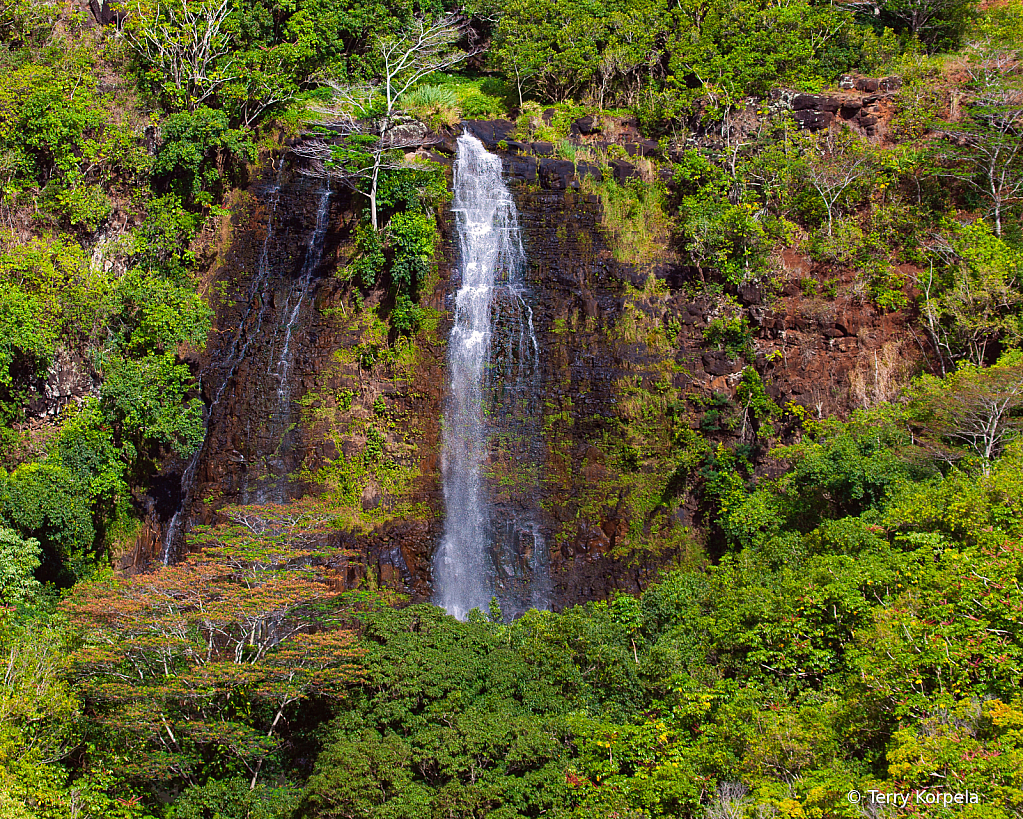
249	332
314	255
489	434
282	352
235	355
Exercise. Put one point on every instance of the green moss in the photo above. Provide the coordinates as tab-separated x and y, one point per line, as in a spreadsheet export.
634	218
376	437
630	469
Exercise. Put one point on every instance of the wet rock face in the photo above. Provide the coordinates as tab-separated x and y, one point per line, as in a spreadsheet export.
597	323
814	352
267	340
275	432
578	288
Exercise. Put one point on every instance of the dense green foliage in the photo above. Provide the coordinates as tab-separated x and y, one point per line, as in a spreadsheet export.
862	633
704	58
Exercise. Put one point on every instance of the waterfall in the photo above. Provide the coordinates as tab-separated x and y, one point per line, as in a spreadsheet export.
235	355
249	331
314	255
282	352
491	408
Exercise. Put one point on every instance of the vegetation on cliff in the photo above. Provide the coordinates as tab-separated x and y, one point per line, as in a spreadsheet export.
840	607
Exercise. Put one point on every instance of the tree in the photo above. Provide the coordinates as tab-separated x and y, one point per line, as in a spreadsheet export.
146	402
833	164
448	720
930	20
38	712
524	43
971	302
26	345
366	140
170	658
420	49
186	42
978	409
986	150
197	145
19	558
361	148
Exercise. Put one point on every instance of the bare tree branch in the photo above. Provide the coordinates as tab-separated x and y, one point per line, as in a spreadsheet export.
831	169
186	41
986	150
367	140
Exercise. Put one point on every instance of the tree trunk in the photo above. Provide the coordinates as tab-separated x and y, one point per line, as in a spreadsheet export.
259	765
373	193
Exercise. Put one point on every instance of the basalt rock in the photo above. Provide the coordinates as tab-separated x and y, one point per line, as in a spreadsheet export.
585	126
490	132
556	174
643	147
623	171
521	169
813	120
584	169
590	363
860	104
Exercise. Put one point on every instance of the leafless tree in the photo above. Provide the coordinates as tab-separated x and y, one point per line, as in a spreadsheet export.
986	148
832	167
186	40
931	311
356	155
362	117
420	50
732	801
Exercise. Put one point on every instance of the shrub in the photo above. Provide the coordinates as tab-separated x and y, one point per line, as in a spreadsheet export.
477	105
19	558
26	345
845	245
731	334
196	146
886	285
406	316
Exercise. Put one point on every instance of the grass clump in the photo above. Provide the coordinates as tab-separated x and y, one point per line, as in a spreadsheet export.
634	219
435	104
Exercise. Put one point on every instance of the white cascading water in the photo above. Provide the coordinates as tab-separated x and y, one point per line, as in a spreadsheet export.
493	367
314	255
249	330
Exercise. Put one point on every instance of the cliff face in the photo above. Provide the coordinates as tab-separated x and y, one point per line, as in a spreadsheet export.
310	398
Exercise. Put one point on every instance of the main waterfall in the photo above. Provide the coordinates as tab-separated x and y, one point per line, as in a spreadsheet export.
491	411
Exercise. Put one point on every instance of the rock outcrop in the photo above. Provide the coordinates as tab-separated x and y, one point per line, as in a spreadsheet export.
612	335
862	103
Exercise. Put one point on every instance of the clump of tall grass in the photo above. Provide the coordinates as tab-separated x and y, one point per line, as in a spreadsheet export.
435	104
634	218
567	149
